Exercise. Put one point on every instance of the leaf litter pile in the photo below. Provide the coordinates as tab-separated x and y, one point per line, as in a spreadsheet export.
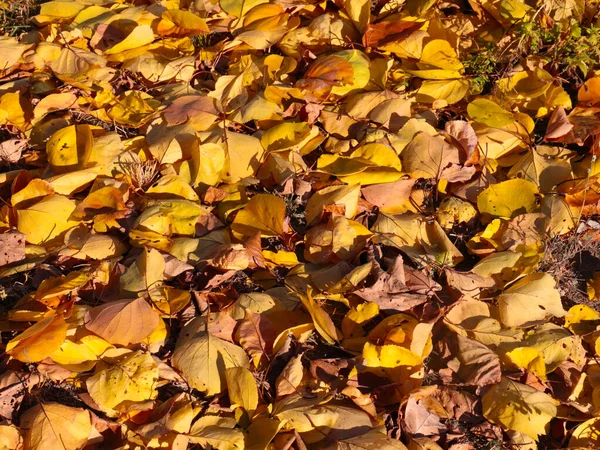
300	225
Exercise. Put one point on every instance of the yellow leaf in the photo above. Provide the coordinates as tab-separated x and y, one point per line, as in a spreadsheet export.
389	356
345	195
285	135
241	387
532	298
52	426
244	155
14	110
261	432
133	108
360	63
593	287
374	439
301	332
10	436
264	213
359	12
38	341
70	148
35	190
171	186
508	198
120	379
355	317
145	273
74	63
369	164
321	319
168	217
207	163
211	431
578	315
427	156
71	182
74	356
239	8
439	53
452	91
489	113
529	358
561	217
586	435
554	343
54	287
280	258
169	300
202	357
290	378
91	16
60	9
519	407
81	244
10	51
589	93
542	166
453	211
139	36
305	416
525	84
181	23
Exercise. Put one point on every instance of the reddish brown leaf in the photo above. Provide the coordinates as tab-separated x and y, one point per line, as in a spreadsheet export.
383	33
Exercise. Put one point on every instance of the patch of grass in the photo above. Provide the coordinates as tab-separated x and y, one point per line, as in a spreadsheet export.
572	260
481	66
207	40
570	53
15	16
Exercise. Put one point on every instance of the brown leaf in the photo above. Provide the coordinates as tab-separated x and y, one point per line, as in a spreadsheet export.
256	334
106	36
427	156
419	421
464	135
221	325
479	366
188	106
10	150
469	283
13	387
12	247
558	126
214	195
122	322
455	402
254	249
393	292
230	257
331	370
389	195
456	173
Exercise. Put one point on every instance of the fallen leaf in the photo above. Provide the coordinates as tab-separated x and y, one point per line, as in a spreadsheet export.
519	407
111	321
203	358
52	426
